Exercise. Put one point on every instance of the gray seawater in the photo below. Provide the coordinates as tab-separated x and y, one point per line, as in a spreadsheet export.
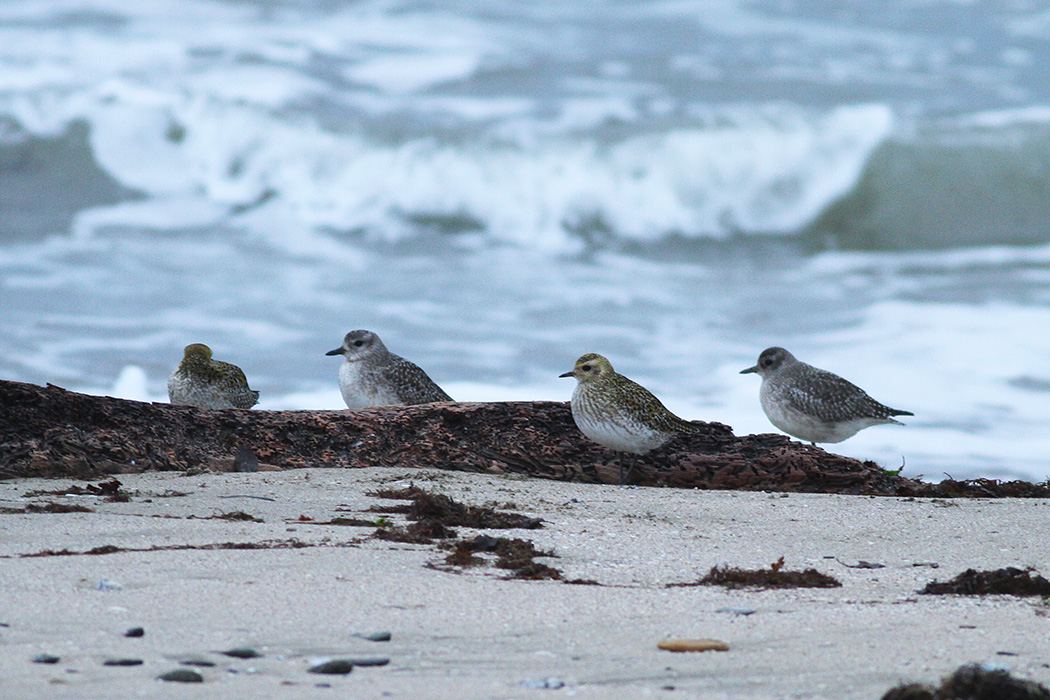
499	187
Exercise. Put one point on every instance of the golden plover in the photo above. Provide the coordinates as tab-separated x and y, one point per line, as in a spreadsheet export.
813	404
206	383
374	376
618	413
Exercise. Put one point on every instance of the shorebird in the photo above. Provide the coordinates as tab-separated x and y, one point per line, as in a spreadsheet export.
206	383
618	413
813	404
374	376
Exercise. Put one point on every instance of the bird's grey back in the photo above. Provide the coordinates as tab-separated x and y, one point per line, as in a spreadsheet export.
413	385
825	395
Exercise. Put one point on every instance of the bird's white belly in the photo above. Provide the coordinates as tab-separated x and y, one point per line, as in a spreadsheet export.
620	433
809	428
360	389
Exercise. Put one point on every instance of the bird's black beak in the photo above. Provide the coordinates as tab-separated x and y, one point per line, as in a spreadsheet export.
567	374
337	351
749	370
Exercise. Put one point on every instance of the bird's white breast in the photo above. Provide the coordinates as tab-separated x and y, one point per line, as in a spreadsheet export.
361	388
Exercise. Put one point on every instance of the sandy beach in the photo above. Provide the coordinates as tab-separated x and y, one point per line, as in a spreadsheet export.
311	591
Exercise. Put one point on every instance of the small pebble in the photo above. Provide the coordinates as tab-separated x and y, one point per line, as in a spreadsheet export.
195	661
738	611
335	666
109	585
543	684
46	659
122	662
242	653
370	661
245	460
373	636
135	632
693	645
182	675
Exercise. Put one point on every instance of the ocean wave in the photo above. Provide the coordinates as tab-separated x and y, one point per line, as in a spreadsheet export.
766	169
979	180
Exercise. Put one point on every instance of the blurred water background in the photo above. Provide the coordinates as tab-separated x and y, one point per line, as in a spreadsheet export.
498	186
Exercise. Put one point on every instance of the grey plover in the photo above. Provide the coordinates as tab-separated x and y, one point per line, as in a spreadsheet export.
206	383
618	413
374	376
813	404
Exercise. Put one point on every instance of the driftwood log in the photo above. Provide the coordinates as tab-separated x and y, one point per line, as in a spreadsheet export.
52	432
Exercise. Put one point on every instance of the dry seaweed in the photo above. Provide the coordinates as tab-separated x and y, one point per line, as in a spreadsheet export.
434	515
434	506
112	549
48	507
972	682
236	516
773	577
1006	581
512	553
51	432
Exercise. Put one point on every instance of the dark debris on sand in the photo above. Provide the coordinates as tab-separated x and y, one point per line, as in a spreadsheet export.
513	554
435	506
972	682
51	432
1006	581
433	517
773	577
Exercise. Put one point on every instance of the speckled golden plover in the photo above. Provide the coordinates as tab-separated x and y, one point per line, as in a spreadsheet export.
618	413
374	376
813	404
206	383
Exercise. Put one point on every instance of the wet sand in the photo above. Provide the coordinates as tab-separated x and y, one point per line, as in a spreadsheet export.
310	588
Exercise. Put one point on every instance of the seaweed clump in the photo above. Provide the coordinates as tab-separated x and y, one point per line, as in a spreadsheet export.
512	553
435	515
1006	581
972	682
425	505
773	577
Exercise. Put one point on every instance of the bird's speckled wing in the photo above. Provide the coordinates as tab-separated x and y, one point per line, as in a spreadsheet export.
657	416
831	398
413	384
236	384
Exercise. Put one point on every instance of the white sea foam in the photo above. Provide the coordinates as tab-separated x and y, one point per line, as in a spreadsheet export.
770	175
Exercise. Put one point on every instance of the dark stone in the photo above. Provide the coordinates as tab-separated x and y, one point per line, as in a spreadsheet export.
373	636
46	659
182	675
135	632
245	460
122	662
369	661
242	653
335	666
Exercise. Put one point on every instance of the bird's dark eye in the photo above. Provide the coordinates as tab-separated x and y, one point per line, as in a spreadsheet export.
359	343
768	361
586	368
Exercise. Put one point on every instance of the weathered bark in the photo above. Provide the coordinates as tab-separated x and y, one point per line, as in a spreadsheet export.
48	431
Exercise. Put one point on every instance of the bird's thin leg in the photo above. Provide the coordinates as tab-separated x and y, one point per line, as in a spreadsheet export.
624	477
